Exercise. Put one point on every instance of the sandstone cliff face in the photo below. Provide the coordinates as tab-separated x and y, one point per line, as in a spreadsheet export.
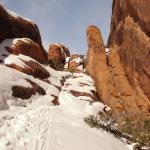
14	26
112	83
136	9
130	36
131	24
125	74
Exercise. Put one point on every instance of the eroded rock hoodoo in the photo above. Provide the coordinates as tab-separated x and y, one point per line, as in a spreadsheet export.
110	78
97	63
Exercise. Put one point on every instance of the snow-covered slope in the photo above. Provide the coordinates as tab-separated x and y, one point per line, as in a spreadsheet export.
10	78
42	126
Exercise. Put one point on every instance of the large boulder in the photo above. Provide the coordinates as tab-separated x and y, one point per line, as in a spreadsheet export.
15	26
23	46
27	66
57	53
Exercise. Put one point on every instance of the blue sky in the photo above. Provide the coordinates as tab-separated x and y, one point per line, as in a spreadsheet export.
65	21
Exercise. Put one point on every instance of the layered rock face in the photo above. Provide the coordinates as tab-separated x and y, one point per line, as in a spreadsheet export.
130	36
14	26
57	53
112	83
30	66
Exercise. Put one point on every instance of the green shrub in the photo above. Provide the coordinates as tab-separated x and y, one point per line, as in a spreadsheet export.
147	125
72	70
58	65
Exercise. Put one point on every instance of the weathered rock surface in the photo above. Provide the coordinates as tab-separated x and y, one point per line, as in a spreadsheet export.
23	46
31	68
136	9
112	83
76	63
15	26
125	97
26	92
130	37
56	55
97	63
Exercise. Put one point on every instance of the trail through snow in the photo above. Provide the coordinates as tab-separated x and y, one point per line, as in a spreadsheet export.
44	127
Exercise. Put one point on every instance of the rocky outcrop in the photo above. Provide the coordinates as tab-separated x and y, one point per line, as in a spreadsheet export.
112	83
76	63
15	26
31	68
57	53
26	92
96	64
92	95
23	46
130	37
136	9
55	100
125	97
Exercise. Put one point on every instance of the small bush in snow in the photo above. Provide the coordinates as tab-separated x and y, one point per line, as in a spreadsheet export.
147	125
72	70
127	131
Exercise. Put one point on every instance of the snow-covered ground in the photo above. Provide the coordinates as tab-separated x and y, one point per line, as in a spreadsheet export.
41	126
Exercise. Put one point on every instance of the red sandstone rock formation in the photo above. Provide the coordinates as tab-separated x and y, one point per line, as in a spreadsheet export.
76	63
32	68
130	37
26	47
26	92
113	86
14	26
97	63
56	55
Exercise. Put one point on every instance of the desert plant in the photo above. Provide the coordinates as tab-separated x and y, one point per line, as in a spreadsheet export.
126	130
72	70
58	65
147	125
